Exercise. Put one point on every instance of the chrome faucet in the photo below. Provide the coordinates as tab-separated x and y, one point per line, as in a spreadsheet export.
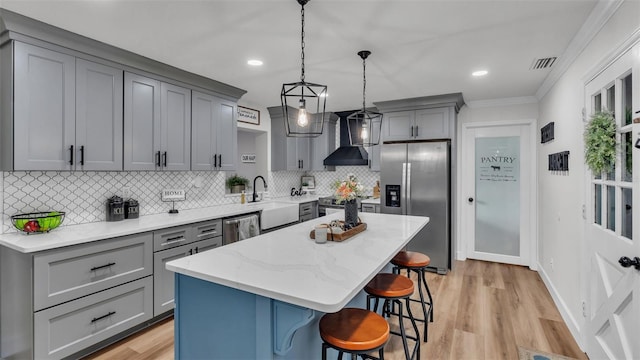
254	186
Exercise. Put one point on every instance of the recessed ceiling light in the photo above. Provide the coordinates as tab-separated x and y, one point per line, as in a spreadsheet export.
480	73
254	62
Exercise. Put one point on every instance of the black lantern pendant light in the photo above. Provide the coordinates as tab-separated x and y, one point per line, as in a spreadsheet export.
364	125
303	103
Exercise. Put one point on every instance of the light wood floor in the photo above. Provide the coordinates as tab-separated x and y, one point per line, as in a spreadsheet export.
482	311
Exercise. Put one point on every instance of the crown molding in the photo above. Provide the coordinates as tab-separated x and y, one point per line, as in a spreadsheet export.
599	16
502	102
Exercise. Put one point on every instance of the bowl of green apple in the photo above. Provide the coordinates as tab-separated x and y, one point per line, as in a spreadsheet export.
37	222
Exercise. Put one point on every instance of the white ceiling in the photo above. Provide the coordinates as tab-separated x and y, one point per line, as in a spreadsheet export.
419	47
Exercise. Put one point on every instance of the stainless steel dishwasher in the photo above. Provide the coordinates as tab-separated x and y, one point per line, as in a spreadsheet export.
240	227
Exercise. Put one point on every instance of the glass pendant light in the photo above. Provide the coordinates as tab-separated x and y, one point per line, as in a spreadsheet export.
368	123
306	119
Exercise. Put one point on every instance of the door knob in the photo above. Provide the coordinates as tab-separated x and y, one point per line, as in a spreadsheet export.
470	199
626	262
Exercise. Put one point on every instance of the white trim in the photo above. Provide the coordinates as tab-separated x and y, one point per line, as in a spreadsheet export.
502	102
461	254
571	322
598	17
612	57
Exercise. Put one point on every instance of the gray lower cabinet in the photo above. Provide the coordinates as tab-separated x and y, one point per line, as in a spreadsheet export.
163	287
65	300
66	329
68	273
308	211
172	244
372	208
214	133
67	112
157	125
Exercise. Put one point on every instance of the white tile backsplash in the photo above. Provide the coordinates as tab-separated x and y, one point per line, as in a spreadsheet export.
83	194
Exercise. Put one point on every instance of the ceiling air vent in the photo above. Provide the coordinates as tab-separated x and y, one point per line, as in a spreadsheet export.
543	63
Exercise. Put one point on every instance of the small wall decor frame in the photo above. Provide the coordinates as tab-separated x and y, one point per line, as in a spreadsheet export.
309	180
547	133
559	161
249	116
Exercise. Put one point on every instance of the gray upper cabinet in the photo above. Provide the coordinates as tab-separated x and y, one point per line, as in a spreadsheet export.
397	125
424	118
214	133
67	112
72	103
374	151
44	109
98	116
175	143
324	144
287	153
142	130
157	125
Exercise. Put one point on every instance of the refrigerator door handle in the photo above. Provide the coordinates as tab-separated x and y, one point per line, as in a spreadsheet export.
403	189
408	202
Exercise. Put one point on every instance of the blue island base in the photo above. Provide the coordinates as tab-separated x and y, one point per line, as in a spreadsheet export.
213	321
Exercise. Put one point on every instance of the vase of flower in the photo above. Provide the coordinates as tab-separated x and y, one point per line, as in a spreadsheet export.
351	212
347	191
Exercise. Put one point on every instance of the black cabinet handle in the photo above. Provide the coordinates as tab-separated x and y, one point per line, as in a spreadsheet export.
190	251
411	130
71	160
164	159
626	262
103	316
219	160
196	249
470	200
82	155
158	159
103	266
215	161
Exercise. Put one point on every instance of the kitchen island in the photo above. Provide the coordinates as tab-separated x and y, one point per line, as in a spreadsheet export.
262	298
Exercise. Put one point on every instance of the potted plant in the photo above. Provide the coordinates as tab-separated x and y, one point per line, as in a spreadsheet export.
236	183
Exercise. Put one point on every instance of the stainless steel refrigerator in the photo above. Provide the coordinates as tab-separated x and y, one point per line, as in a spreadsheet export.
415	180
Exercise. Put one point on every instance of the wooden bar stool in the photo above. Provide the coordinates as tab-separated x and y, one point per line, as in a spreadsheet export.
416	262
394	288
354	331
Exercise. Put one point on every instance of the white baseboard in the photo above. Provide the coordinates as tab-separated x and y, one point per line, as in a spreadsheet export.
571	322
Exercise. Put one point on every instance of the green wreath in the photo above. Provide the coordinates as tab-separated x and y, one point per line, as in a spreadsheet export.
600	142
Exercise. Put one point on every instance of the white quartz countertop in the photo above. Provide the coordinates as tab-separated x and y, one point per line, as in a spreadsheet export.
83	233
287	265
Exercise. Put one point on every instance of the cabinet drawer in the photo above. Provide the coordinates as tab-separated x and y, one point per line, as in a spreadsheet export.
172	237
68	273
163	287
207	229
368	208
65	329
306	208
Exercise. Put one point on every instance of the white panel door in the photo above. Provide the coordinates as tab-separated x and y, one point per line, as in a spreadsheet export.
499	207
614	290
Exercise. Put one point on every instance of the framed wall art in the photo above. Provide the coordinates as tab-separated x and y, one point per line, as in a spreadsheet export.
249	116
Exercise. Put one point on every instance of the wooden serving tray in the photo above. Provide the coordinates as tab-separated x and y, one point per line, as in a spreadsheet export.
343	235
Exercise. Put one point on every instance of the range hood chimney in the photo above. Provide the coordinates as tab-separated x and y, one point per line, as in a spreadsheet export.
346	155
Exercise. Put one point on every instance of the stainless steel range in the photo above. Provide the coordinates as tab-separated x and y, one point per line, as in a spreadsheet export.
330	202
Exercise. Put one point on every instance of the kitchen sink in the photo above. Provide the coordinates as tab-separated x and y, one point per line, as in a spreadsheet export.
276	213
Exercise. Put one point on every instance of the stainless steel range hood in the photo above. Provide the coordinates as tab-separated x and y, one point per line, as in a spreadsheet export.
346	155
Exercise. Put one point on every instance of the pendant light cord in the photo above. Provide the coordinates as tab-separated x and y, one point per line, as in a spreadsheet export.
364	82
302	43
